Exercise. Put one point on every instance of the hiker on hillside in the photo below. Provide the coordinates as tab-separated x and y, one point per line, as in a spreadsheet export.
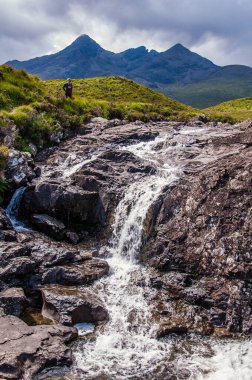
68	88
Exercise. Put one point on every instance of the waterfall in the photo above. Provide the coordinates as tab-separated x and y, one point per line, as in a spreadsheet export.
12	210
127	346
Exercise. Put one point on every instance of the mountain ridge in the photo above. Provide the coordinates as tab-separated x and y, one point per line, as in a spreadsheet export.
177	72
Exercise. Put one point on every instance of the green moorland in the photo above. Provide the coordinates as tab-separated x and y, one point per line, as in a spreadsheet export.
117	97
38	109
233	110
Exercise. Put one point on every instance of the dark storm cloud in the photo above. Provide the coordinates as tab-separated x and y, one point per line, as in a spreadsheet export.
218	30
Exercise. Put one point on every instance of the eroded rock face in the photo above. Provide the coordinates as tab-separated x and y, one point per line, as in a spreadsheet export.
26	350
69	305
205	222
83	181
203	231
70	205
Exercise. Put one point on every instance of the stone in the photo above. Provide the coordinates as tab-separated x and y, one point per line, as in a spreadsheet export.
13	301
11	250
17	267
70	205
19	169
71	305
73	237
79	274
25	350
49	225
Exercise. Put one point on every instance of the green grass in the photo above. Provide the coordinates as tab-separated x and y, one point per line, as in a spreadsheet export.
233	110
39	109
18	88
118	97
113	89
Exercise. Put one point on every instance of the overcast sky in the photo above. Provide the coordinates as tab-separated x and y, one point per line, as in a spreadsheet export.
220	30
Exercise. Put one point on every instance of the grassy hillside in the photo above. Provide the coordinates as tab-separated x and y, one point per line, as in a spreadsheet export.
18	88
39	109
123	93
237	110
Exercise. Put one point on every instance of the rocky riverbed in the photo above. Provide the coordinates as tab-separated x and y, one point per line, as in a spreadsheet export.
143	230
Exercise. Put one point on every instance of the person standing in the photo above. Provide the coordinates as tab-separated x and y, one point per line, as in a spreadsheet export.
68	88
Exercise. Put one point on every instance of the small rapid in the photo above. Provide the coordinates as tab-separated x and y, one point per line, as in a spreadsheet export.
12	210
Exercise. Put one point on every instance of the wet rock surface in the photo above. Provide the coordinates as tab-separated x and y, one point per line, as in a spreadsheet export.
69	305
26	350
197	234
28	262
204	232
20	169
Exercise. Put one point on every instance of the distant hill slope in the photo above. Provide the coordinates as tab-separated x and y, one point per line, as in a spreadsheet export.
177	72
238	110
228	83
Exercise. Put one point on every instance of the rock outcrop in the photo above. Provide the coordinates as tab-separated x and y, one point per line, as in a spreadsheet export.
203	233
27	262
27	350
70	305
196	236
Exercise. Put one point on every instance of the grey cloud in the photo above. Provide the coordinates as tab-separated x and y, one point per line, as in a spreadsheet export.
195	23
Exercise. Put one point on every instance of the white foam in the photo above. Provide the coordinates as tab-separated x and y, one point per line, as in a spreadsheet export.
231	361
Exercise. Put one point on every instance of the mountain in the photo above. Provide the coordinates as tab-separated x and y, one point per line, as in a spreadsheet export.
177	72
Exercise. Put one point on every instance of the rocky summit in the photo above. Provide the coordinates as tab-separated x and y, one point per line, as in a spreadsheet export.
141	229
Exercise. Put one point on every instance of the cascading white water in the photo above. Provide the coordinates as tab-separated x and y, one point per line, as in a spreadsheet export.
12	211
127	346
231	361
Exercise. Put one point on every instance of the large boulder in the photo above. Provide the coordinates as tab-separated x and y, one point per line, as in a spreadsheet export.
27	350
71	205
49	225
71	305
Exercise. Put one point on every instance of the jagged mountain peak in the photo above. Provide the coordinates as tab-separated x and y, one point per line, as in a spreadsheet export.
84	42
178	49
